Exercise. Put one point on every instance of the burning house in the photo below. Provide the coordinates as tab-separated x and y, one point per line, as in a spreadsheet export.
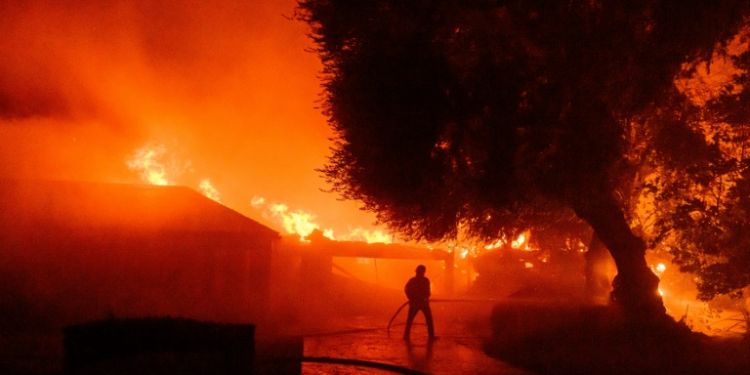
73	252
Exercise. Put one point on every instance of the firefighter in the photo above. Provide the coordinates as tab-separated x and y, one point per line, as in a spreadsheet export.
418	292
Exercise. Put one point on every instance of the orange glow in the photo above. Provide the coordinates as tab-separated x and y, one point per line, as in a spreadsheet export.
209	190
147	162
304	223
294	222
369	236
500	242
658	269
230	82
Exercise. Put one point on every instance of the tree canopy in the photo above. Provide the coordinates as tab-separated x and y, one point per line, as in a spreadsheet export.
480	117
702	211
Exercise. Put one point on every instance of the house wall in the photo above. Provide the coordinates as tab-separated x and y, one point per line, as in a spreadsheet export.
55	276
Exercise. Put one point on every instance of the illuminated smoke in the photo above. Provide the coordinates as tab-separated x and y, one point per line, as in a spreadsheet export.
147	162
209	190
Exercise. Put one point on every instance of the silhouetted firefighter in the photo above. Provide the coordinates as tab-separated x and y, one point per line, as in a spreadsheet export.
418	292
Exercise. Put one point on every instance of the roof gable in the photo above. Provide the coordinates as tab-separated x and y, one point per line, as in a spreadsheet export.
130	206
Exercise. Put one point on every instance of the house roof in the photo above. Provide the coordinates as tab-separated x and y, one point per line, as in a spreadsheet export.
127	206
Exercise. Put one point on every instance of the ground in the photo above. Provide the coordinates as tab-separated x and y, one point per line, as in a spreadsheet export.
549	339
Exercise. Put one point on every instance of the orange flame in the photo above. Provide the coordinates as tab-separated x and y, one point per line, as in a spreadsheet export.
297	221
146	161
209	190
303	224
149	162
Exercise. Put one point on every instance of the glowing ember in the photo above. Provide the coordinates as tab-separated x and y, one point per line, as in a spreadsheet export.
209	190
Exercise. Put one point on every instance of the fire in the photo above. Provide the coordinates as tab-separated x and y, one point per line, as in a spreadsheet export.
149	161
146	161
369	236
303	224
658	269
209	190
297	221
495	244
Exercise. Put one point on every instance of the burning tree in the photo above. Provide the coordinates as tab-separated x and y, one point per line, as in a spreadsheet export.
478	117
702	208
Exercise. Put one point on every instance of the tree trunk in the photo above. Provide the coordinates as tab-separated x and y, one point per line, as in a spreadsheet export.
597	257
635	289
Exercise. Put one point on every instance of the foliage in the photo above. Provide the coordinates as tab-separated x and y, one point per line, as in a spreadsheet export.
703	209
484	118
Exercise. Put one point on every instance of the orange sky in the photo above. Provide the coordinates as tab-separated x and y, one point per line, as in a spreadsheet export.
225	86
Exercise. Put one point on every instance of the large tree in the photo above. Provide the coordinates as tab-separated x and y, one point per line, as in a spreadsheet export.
473	116
702	211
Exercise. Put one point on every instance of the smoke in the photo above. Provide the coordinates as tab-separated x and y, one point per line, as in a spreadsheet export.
83	84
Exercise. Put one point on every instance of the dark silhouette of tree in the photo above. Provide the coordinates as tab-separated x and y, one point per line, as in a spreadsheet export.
479	117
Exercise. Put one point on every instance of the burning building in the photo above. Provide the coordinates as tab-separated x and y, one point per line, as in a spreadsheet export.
73	252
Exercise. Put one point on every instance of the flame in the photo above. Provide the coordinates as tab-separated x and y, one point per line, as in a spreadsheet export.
294	222
146	161
303	224
496	244
520	242
369	236
209	190
149	162
658	269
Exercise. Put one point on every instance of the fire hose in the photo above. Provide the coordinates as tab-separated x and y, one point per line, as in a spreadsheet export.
388	330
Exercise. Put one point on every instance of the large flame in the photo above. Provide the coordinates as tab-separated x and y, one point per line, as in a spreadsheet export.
299	222
296	221
154	166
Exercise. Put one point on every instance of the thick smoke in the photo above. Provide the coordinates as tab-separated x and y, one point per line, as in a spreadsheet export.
227	84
